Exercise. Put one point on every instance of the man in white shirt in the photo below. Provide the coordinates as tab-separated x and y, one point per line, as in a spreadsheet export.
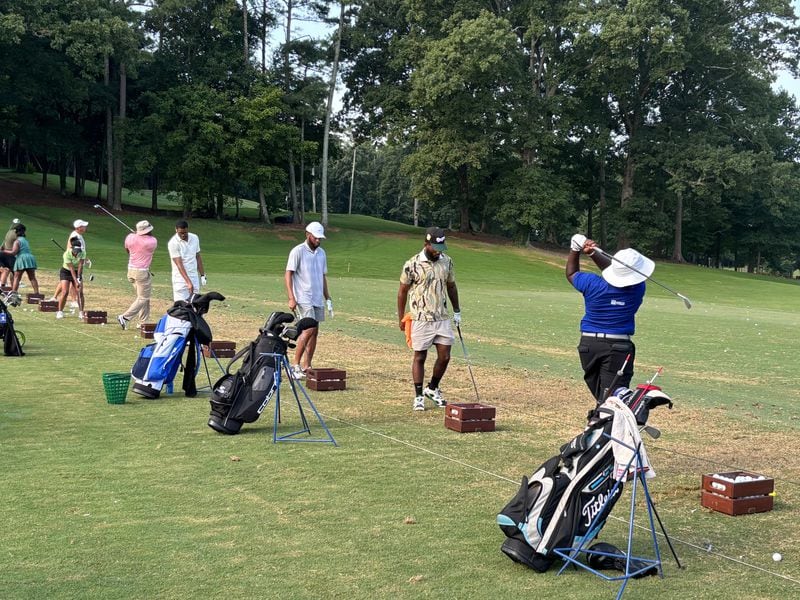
188	273
307	286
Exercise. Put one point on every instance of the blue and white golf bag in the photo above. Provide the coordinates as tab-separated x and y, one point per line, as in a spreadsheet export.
182	328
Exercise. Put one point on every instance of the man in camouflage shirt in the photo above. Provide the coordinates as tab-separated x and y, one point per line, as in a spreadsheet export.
429	279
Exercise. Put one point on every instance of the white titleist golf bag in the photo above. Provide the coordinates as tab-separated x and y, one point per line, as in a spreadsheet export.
569	497
182	327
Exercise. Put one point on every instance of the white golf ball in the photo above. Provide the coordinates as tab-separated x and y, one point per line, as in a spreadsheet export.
777	556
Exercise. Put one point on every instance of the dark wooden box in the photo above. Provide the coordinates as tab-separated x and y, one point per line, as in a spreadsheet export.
470	411
737	497
468	426
95	317
467	417
48	306
326	379
738	489
221	349
35	298
147	330
736	506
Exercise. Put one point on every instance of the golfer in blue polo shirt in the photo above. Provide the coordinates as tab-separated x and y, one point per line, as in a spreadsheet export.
611	302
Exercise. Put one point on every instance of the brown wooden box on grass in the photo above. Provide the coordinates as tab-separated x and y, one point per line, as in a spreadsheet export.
48	306
5	288
326	379
736	506
468	426
35	298
95	317
469	416
148	329
221	349
737	497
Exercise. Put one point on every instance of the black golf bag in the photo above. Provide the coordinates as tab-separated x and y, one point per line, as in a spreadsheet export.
240	397
569	497
11	345
182	327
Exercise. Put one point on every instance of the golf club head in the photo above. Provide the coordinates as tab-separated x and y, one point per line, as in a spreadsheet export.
653	432
686	301
97	206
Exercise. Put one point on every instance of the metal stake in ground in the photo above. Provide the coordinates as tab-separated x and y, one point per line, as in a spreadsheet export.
469	366
114	217
686	301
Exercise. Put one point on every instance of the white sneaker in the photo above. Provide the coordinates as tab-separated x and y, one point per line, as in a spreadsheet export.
419	403
297	372
123	322
80	315
73	304
435	395
60	314
52	299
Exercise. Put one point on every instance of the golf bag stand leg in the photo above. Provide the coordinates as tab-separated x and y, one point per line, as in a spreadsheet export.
282	364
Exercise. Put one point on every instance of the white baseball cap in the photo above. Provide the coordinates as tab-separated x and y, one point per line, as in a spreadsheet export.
316	229
80	223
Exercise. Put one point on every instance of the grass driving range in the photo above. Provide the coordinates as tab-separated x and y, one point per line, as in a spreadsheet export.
143	500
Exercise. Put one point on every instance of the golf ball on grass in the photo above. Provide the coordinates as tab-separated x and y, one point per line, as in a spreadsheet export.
777	557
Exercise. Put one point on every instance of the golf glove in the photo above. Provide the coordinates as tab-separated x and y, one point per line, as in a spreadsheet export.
329	303
457	318
577	242
203	281
88	263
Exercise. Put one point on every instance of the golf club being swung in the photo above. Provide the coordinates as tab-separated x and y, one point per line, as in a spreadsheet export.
114	217
469	365
60	247
686	301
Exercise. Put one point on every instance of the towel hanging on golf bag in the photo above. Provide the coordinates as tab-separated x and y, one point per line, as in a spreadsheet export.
11	345
569	497
238	398
182	328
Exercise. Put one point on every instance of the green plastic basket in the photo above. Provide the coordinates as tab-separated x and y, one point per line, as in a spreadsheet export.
116	386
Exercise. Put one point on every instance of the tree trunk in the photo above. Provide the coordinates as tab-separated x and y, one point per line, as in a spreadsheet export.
79	175
677	250
328	112
244	31
602	203
154	190
100	159
463	188
109	137
62	174
262	205
313	189
119	141
297	215
45	169
302	165
220	208
416	212
264	36
352	181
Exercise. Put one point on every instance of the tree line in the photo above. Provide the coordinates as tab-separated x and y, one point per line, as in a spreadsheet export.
650	123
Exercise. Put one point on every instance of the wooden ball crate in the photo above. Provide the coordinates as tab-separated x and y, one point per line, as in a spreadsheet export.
326	379
469	416
735	498
221	349
35	298
95	317
48	306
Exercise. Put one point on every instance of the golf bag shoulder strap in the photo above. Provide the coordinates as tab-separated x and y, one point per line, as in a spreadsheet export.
237	357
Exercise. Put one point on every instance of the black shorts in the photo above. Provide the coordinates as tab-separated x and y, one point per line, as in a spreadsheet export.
7	260
64	275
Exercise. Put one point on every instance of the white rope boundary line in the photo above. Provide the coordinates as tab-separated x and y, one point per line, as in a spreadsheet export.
504	478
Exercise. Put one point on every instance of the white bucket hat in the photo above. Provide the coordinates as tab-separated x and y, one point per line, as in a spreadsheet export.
619	275
143	228
316	229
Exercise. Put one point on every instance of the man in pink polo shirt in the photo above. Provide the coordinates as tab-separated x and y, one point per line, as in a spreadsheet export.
140	247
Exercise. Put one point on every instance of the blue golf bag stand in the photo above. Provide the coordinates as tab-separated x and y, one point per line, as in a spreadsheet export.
634	566
283	368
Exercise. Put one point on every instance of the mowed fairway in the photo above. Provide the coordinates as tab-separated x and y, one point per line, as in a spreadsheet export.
143	500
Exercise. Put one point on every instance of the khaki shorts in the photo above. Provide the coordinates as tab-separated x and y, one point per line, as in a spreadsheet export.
426	333
307	310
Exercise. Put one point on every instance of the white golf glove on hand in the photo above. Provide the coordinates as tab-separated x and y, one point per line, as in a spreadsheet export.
457	318
88	263
203	281
577	242
329	303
